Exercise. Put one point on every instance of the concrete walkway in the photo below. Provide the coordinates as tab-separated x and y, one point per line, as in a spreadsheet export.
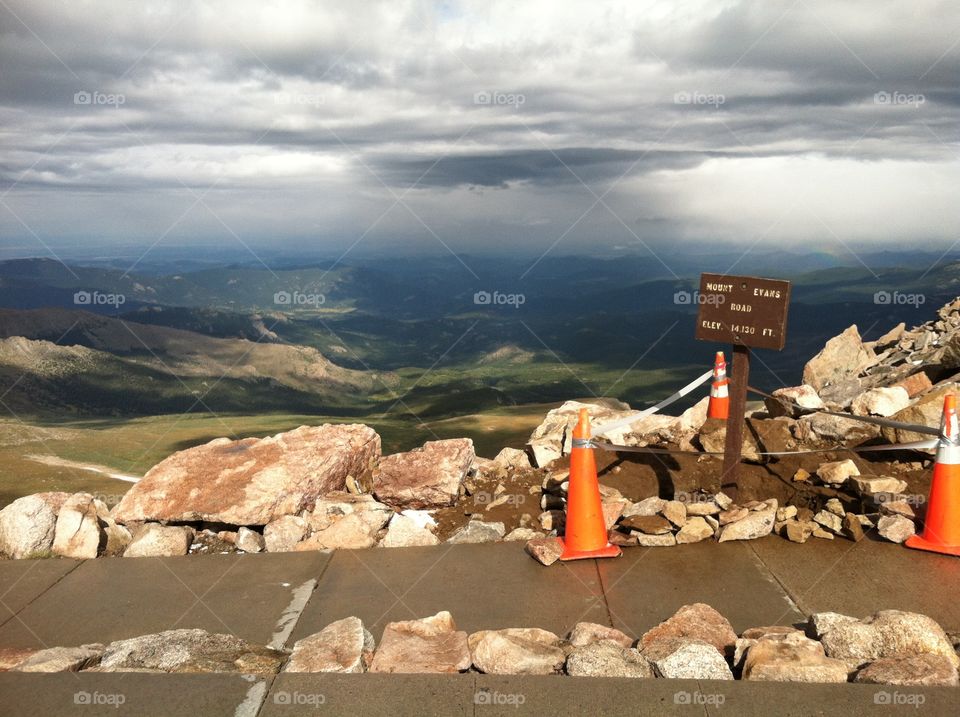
279	598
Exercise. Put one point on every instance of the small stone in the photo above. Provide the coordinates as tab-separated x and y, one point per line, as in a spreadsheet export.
675	512
612	510
835	507
830	521
190	651
836	472
154	540
923	670
522	534
648	506
797	531
654	541
552	520
695	530
516	651
732	515
607	659
512	458
702	508
249	541
545	550
62	659
897	507
895	528
801	475
755	525
477	531
649	524
723	500
872	485
342	646
588	633
851	527
786	513
819	532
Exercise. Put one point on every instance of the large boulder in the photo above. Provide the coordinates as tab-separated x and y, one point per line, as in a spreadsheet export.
821	429
342	646
517	651
426	477
925	411
80	532
803	396
252	481
190	650
607	659
888	633
431	644
791	657
698	621
686	658
843	357
154	541
283	534
923	670
28	524
884	401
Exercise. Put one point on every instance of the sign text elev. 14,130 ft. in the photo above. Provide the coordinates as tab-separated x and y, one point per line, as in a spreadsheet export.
744	310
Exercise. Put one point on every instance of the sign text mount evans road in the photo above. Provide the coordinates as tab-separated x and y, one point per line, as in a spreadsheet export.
744	310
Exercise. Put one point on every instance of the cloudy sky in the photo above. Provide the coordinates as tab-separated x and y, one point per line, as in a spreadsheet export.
478	125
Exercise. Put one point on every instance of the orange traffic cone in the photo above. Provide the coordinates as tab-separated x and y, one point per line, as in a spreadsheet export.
719	394
941	528
586	533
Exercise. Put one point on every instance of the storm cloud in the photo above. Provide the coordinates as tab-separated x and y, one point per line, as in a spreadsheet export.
469	126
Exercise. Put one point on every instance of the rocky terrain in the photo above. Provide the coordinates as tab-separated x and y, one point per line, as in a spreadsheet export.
329	487
891	647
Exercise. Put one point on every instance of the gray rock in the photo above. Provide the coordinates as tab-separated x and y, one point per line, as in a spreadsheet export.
830	521
154	540
403	531
837	472
607	659
646	507
842	357
804	396
61	659
895	528
654	541
342	646
512	458
872	485
687	658
675	512
888	633
190	651
545	550
249	541
517	651
757	524
477	531
283	534
522	534
28	524
695	530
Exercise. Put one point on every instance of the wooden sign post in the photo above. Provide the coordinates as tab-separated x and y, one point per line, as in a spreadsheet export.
746	311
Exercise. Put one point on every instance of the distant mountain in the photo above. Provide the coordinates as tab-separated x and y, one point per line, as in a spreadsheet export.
63	358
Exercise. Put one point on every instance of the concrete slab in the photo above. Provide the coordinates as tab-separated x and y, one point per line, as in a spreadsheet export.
147	695
760	699
372	695
491	585
860	578
555	694
22	581
648	585
115	598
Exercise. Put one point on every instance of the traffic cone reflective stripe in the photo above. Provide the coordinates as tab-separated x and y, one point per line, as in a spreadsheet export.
719	406
585	535
941	527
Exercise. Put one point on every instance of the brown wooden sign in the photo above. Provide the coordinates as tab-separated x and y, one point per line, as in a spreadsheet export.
744	310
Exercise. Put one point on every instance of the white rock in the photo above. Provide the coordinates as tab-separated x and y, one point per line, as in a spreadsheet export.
28	524
154	540
884	401
836	472
405	531
249	541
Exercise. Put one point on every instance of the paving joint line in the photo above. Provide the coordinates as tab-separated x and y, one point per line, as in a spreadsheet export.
768	572
52	585
603	592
